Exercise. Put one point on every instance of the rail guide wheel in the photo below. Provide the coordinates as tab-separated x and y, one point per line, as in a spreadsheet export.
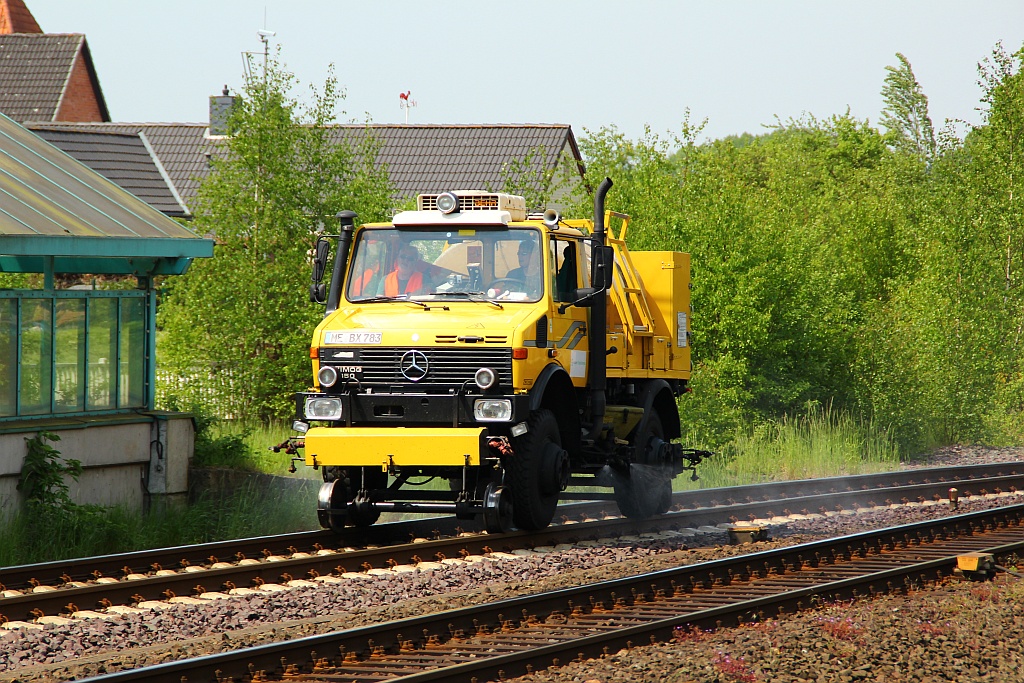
331	512
341	503
497	509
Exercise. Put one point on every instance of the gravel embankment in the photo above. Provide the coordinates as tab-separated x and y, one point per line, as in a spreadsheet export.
791	650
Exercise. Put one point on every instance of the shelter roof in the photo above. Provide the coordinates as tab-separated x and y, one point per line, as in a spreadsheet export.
55	206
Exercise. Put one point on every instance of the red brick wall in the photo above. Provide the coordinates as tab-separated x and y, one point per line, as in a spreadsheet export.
79	103
15	18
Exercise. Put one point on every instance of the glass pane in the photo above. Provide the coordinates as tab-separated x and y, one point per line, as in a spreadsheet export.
102	353
563	255
519	263
36	362
133	353
8	357
468	264
69	379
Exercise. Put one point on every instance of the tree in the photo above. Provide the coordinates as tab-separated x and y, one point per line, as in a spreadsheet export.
905	115
237	326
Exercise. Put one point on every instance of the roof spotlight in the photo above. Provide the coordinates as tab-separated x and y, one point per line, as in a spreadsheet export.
447	202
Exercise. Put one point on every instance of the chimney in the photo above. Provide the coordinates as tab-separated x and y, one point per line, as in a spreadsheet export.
220	112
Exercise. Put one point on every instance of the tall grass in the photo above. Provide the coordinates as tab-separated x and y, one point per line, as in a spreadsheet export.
820	443
242	446
55	534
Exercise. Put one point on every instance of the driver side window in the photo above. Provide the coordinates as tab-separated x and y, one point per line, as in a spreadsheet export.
566	274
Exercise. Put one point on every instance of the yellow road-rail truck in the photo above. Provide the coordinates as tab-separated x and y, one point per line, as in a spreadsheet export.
507	356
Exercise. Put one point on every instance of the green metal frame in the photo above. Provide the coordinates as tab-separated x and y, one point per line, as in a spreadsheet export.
147	295
142	256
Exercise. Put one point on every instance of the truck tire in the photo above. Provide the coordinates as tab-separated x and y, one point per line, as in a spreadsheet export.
538	459
647	488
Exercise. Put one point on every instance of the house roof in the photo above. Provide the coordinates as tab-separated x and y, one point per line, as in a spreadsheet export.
55	206
419	158
35	71
435	158
126	159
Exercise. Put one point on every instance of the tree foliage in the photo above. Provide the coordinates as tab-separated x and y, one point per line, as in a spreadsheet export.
905	116
242	319
838	264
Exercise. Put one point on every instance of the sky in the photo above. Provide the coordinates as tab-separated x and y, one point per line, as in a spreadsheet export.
591	64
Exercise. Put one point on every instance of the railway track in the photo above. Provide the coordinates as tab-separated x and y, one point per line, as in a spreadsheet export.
196	573
516	636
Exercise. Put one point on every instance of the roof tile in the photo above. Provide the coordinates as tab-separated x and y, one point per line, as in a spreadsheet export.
419	158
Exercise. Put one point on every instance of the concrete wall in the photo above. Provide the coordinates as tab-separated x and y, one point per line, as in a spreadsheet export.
121	463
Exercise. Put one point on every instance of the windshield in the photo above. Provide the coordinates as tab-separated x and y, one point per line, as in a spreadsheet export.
499	265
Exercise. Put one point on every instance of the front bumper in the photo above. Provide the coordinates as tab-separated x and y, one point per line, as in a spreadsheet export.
414	409
388	447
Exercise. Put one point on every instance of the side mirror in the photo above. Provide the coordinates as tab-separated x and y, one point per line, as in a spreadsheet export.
317	289
322	250
604	263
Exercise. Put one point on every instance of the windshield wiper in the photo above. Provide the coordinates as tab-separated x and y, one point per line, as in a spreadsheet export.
470	296
379	299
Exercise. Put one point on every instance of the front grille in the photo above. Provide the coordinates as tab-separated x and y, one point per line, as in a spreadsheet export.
447	368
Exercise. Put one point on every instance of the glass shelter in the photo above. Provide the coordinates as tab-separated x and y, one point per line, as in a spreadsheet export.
74	352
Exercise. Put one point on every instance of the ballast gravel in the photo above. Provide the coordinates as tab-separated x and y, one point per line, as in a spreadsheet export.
950	633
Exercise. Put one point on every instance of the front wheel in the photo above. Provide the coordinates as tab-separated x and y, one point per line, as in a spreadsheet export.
539	472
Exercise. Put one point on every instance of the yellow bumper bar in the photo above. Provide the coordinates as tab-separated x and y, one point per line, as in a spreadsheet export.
400	446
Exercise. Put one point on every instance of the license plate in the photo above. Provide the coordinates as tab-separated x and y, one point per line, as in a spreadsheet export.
353	337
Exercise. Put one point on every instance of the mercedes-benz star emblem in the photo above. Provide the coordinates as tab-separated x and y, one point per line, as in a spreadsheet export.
414	365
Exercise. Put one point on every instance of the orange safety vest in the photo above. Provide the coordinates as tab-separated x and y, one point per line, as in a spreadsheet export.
362	281
413	286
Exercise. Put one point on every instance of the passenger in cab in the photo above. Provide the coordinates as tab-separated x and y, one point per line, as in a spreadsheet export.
366	275
407	277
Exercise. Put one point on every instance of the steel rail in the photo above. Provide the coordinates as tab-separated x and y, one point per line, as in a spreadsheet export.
192	580
82	569
515	636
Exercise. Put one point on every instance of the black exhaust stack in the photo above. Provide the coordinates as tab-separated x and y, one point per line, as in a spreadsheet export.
348	223
599	319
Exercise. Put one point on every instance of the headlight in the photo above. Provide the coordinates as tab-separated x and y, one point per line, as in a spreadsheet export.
492	409
485	378
322	408
327	376
447	202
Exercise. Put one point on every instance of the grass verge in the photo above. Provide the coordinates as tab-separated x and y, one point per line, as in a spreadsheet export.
55	534
820	443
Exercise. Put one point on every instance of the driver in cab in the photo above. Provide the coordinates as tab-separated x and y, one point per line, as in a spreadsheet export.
524	279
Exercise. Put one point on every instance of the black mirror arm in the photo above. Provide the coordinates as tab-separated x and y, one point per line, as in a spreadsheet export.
587	294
